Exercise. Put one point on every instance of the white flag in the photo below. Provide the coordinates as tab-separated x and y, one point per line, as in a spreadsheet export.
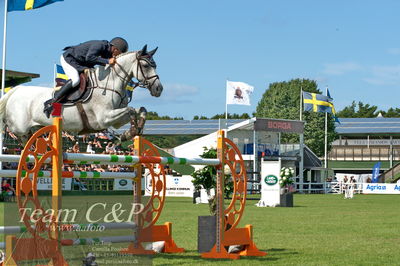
238	93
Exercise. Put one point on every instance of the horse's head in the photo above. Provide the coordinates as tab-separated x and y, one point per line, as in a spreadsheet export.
145	71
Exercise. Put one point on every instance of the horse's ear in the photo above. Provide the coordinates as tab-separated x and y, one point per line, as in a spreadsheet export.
152	52
144	50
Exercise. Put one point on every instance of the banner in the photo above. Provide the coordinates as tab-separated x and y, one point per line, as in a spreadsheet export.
375	172
270	188
176	186
381	188
45	183
123	184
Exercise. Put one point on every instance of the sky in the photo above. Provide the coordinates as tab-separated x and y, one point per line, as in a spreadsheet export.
352	47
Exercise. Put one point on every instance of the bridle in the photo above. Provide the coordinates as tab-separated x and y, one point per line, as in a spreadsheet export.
147	82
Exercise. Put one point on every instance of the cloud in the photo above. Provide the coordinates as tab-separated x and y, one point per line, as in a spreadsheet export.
394	51
384	75
172	93
341	68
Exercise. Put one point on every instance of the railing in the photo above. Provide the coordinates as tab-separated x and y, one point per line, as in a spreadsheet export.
273	149
363	154
339	187
390	174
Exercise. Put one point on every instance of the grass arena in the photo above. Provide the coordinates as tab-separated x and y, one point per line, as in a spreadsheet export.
327	223
359	231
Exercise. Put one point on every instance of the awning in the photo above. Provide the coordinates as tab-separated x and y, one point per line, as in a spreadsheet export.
15	78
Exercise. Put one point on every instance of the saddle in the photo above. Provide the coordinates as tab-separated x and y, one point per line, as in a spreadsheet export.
81	93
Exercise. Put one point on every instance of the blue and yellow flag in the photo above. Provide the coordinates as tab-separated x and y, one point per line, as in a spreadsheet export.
61	77
333	108
129	88
21	5
318	103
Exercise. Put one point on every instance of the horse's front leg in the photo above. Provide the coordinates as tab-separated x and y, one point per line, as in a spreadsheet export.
118	117
141	119
137	119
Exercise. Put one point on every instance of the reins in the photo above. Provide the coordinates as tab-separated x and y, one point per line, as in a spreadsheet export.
148	82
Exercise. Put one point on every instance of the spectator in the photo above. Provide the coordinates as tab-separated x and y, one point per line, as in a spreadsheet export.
6	188
102	135
81	185
97	143
11	134
110	148
65	134
97	168
84	138
75	148
89	148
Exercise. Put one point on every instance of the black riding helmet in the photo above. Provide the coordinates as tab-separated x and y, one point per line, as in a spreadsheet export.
120	43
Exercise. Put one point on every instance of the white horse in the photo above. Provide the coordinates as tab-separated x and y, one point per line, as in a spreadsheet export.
21	109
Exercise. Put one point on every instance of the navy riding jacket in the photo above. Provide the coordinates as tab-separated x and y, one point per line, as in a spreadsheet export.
88	54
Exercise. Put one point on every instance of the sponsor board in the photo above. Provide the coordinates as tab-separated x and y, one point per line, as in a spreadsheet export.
176	186
123	184
45	183
381	188
270	188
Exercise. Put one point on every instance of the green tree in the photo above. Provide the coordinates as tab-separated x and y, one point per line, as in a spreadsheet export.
154	116
392	112
348	111
359	110
282	101
231	116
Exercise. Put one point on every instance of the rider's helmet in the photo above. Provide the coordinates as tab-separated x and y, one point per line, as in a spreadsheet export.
120	43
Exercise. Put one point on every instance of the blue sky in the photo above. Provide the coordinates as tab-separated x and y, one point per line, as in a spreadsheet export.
353	47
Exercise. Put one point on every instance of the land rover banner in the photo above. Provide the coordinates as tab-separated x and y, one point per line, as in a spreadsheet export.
270	188
123	184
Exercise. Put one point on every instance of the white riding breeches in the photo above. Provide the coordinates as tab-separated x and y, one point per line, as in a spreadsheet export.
70	71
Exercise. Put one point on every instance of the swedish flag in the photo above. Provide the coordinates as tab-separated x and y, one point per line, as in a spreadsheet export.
318	103
21	5
61	77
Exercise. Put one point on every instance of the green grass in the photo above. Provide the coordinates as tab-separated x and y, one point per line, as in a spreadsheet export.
319	230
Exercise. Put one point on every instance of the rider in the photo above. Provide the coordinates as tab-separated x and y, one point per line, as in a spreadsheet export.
77	58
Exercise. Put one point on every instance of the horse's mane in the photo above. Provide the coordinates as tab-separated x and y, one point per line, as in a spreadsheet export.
123	54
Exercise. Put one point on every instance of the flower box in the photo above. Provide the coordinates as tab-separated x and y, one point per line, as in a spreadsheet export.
286	200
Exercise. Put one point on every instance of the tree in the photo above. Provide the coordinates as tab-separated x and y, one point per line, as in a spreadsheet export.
154	116
282	101
359	110
222	116
348	111
392	112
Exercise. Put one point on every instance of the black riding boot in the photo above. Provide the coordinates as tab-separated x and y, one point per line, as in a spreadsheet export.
58	95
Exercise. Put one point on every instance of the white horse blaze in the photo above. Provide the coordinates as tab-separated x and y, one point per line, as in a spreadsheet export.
22	108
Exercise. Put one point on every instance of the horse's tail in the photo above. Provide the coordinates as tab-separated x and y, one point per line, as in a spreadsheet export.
3	105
